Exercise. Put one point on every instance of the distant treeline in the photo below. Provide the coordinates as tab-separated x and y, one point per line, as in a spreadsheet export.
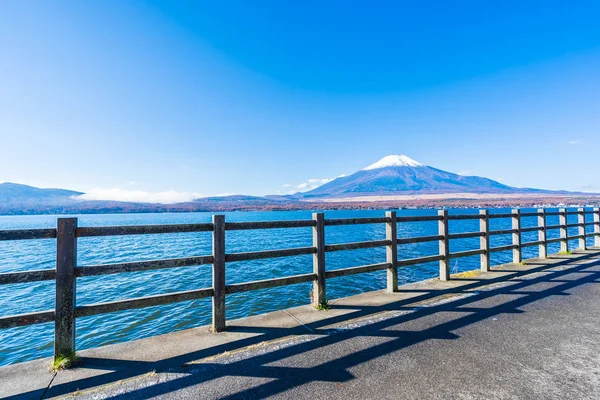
222	205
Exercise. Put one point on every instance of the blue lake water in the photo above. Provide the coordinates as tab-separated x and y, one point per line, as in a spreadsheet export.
27	343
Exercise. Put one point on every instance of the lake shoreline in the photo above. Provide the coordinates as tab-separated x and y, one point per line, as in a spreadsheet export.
395	202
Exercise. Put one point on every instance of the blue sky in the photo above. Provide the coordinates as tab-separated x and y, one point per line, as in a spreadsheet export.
132	98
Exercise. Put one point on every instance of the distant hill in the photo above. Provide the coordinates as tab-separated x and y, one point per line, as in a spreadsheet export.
17	199
14	194
398	175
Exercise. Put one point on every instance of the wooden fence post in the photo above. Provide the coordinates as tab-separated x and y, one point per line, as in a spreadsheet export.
596	226
319	295
484	241
218	273
64	313
516	236
444	245
564	233
542	237
581	228
391	252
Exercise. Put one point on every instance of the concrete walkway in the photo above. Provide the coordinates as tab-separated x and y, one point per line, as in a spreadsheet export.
520	332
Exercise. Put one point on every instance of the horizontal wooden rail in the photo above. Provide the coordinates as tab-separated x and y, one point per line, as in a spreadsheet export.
238	226
550	227
464	217
503	232
503	248
357	245
142	229
258	255
13	321
141	302
356	270
467	253
531	214
466	235
420	260
27	234
555	240
416	218
136	266
27	276
420	239
531	244
269	283
554	213
496	216
355	221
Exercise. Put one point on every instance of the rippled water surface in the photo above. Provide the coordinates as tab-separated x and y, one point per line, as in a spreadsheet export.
26	343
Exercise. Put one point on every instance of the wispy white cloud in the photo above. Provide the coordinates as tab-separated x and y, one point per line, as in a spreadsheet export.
312	184
138	196
465	173
589	188
575	142
304	186
308	185
224	194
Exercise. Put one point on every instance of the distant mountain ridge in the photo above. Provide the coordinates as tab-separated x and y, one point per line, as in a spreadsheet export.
399	174
392	175
15	194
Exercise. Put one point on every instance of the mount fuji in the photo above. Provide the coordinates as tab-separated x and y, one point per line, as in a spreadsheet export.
401	175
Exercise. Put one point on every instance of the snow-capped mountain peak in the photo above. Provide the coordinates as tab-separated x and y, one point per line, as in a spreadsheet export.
394	161
400	175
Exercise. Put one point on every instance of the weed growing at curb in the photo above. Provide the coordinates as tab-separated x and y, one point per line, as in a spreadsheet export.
64	361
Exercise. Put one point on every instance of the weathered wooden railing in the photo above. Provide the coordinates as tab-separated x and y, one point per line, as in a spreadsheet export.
66	273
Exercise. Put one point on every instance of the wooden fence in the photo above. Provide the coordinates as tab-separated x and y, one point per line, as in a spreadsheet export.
66	273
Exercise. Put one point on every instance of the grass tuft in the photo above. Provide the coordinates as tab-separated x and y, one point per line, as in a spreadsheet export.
323	306
64	361
565	253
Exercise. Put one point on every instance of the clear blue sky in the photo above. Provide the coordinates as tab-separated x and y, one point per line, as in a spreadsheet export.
215	97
